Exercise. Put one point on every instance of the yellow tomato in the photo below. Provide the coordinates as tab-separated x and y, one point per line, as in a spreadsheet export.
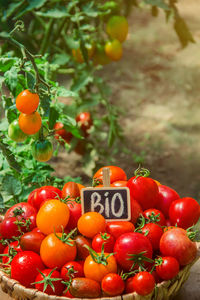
77	53
117	28
113	50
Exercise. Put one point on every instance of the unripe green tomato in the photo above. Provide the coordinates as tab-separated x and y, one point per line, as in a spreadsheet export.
42	150
15	133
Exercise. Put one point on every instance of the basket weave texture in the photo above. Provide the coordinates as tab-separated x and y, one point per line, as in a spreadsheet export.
165	290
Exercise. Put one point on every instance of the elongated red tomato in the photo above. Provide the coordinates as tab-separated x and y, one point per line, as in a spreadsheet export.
165	198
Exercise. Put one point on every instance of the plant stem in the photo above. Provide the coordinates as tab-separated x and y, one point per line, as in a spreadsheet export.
47	36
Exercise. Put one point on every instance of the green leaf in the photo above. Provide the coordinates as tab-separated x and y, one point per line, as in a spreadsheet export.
69	178
9	155
61	59
45	101
183	32
32	4
6	63
1	202
11	9
11	78
56	13
81	82
1	81
30	80
63	92
159	3
11	114
11	185
53	116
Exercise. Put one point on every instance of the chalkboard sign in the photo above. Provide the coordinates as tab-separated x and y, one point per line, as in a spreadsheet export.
112	203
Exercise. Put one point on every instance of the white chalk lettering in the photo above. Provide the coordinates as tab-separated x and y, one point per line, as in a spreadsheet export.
116	197
96	202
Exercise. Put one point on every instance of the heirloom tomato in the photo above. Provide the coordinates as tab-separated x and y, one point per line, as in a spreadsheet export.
31	241
165	198
71	190
81	242
82	287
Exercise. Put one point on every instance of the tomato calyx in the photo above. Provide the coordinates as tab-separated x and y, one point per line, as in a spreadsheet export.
141	172
47	281
105	236
99	258
158	261
23	223
125	276
142	221
18	212
96	182
194	236
66	238
139	260
11	254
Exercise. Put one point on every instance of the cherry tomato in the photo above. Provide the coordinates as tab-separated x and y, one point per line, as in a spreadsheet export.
117	228
30	124
25	266
116	174
82	251
15	133
85	122
132	243
117	28
85	288
47	276
100	57
10	251
144	190
97	271
75	211
175	242
113	50
72	269
27	102
153	232
52	245
112	284
119	183
31	241
77	53
103	238
9	228
31	196
184	212
143	283
91	223
71	190
45	193
52	216
152	212
61	133
42	150
166	197
168	269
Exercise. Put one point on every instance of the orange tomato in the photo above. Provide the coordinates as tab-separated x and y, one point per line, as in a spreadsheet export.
55	253
113	50
27	102
97	271
117	28
52	216
91	223
30	124
77	53
116	174
119	183
80	186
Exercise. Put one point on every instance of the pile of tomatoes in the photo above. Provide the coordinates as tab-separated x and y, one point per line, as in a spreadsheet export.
48	244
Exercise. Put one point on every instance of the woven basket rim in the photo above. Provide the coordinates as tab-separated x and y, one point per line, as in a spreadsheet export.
32	293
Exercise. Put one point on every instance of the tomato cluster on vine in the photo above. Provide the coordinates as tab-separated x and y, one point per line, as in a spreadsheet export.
48	244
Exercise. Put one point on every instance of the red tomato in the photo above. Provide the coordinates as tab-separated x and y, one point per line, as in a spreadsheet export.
72	269
143	283
152	212
2	246
71	190
25	266
119	183
10	251
175	242
82	251
136	211
74	206
32	196
166	197
117	228
184	212
9	228
116	174
153	232
31	241
129	244
103	238
84	120
168	268
47	276
21	210
44	193
144	190
61	133
67	294
112	284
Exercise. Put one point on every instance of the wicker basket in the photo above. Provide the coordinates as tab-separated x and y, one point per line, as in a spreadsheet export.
163	291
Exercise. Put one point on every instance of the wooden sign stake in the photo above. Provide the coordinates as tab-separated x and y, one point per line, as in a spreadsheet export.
106	177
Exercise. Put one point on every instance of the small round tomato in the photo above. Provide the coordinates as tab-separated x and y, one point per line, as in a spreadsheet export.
97	271
116	174
112	284
143	283
91	223
113	50
77	53
84	121
25	266
27	102
9	228
54	244
71	190
15	133
167	268
52	216
10	251
72	269
42	150
165	198
117	228
184	212
103	238
30	124
62	134
45	193
31	241
46	283
153	232
82	251
117	28
119	183
75	212
155	215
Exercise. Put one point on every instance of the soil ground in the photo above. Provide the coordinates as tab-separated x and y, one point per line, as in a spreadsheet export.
157	85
